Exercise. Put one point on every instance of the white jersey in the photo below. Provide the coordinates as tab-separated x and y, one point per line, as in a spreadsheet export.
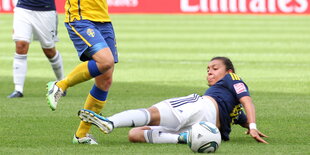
178	114
42	25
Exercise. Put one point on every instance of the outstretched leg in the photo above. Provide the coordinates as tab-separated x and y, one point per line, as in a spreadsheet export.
98	95
128	118
148	134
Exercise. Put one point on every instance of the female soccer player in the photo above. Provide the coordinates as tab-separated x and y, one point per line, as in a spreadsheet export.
168	121
38	20
91	31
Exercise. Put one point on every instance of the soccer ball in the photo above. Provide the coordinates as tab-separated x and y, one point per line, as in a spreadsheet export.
204	137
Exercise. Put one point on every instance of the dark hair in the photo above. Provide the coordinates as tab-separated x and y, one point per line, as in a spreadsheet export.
227	62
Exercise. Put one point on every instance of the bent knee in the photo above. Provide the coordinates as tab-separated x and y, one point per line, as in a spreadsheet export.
132	136
22	47
105	65
49	52
136	135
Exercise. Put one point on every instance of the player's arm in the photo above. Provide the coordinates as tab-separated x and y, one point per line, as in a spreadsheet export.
248	105
242	120
245	125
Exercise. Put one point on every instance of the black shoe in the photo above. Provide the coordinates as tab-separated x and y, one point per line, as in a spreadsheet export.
64	94
16	94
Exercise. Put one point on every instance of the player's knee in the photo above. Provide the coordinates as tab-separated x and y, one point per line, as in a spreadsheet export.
109	64
104	59
134	135
49	52
22	47
105	65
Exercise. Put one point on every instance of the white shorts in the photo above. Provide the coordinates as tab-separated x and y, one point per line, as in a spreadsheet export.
42	25
179	114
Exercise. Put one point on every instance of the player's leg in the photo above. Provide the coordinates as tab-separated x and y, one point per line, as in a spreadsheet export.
168	128
19	68
186	111
154	134
128	118
96	100
103	59
55	59
160	114
102	62
134	118
97	97
45	30
22	37
92	48
176	116
137	117
136	135
172	114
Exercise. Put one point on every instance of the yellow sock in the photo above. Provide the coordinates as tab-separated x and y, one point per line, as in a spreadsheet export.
79	74
94	105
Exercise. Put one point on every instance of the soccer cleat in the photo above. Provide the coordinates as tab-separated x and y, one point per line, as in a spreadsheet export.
16	94
182	139
53	94
64	94
89	139
88	116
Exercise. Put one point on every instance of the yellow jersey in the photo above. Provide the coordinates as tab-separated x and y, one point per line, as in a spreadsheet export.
93	10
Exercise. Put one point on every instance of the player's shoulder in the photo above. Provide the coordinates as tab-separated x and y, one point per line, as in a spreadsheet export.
232	77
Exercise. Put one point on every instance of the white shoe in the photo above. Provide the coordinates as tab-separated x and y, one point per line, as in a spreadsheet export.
53	94
89	139
104	124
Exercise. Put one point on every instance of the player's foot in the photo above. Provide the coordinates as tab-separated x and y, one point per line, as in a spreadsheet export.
64	94
88	116
53	94
182	139
16	94
89	139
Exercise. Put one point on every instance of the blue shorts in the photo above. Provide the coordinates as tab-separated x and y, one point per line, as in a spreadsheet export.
89	37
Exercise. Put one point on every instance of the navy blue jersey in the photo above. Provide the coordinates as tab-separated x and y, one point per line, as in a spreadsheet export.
37	5
227	93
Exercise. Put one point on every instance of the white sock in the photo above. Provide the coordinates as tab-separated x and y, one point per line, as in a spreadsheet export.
156	136
19	71
131	118
56	63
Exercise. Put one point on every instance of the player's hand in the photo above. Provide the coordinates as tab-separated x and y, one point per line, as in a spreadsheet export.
257	135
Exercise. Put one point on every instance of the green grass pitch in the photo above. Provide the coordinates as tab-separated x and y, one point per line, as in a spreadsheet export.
165	56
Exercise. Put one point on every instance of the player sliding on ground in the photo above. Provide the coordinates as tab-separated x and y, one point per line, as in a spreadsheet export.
168	121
